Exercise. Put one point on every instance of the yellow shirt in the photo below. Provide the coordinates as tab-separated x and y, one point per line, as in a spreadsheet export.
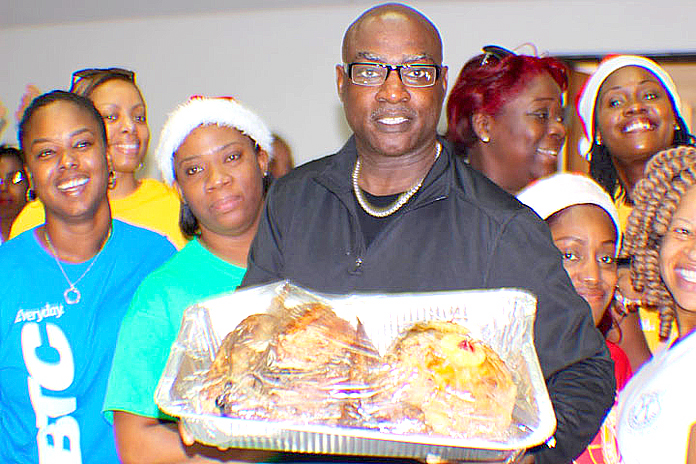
153	206
624	211
649	320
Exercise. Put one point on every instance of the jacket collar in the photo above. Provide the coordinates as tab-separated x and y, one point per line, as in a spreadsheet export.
336	176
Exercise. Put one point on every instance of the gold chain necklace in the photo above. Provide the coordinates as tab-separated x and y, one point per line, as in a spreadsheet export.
398	203
71	294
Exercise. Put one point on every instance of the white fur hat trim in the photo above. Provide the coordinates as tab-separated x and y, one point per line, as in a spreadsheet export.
588	98
551	194
198	111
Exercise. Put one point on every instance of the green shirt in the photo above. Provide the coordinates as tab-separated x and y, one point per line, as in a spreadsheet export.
152	323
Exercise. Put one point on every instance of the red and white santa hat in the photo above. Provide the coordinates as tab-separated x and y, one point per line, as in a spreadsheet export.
199	111
588	97
549	195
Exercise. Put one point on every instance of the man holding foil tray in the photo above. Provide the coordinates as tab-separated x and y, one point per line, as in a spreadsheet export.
395	211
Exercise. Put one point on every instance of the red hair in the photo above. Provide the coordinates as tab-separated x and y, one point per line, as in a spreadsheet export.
485	88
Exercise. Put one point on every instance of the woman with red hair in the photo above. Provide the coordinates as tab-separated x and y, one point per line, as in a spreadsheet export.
505	116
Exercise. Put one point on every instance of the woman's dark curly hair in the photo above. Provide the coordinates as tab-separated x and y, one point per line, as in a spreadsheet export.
668	176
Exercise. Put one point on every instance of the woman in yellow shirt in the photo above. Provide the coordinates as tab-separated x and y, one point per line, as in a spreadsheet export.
630	110
146	203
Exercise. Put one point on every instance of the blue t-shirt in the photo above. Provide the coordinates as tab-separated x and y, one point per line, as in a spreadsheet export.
55	357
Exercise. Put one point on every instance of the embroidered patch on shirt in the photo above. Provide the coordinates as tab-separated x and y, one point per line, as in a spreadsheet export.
644	411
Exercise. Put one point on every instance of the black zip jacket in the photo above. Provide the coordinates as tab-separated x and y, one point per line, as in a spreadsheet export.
461	231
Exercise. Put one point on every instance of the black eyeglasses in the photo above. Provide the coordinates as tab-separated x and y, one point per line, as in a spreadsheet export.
94	72
376	74
13	178
493	54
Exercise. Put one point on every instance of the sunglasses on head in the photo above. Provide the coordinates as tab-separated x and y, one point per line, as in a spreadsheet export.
90	73
493	54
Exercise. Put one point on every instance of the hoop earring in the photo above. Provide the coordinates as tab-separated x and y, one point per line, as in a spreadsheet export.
112	180
30	195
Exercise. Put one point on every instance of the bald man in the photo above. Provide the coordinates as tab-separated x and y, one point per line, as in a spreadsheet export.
395	211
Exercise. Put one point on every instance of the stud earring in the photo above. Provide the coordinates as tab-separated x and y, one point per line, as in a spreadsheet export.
485	139
598	140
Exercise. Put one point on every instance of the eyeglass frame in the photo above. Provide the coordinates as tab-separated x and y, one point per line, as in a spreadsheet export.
348	69
14	181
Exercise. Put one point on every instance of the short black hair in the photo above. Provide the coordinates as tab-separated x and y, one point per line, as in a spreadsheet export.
56	96
188	223
8	150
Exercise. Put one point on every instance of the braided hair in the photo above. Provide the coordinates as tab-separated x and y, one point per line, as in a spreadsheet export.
668	176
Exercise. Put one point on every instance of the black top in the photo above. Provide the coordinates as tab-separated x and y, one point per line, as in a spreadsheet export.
460	232
370	225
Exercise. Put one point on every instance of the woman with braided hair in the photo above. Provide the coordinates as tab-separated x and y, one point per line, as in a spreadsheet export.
657	411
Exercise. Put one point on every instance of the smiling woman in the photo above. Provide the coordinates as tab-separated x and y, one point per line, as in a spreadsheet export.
630	110
505	116
216	153
72	278
584	225
143	202
657	410
67	193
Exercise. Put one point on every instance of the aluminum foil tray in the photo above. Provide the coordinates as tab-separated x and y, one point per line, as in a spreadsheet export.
503	318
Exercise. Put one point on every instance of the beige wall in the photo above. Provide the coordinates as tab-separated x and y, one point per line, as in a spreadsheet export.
281	62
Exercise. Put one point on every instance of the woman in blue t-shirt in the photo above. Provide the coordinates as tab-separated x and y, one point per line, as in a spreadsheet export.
70	283
215	152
